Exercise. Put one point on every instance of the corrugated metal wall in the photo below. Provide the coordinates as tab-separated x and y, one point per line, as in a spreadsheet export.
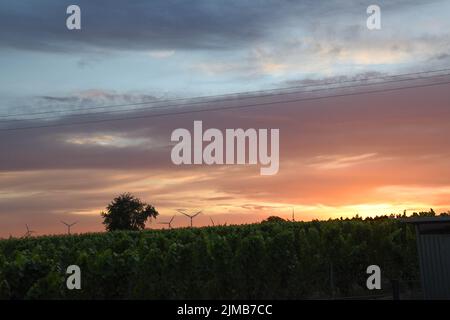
434	255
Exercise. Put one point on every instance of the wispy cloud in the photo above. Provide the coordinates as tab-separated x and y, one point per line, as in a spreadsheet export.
161	54
340	161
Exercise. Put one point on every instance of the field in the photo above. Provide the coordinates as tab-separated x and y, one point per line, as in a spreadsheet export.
279	260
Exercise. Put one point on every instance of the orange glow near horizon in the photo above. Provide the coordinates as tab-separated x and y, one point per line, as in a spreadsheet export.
367	155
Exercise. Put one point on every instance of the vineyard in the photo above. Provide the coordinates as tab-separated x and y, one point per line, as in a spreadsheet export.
280	260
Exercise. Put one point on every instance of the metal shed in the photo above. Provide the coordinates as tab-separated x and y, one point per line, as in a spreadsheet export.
433	243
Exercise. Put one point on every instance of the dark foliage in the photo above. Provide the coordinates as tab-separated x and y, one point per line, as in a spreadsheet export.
271	260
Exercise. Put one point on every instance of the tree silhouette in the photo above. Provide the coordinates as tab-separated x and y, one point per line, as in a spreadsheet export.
127	212
274	219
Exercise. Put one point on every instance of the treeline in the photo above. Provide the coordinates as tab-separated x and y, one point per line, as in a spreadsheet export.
275	260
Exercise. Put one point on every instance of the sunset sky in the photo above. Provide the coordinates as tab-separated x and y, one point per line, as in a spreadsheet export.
351	153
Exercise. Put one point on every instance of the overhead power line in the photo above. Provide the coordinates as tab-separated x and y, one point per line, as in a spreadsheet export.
261	104
233	96
165	107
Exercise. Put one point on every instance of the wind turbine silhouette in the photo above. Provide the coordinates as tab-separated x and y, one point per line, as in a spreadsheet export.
68	225
29	232
168	223
191	216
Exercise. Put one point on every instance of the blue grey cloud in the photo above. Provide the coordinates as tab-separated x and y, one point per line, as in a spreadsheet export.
168	24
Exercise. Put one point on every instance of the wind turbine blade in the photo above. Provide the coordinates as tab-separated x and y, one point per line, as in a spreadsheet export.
185	214
196	214
173	217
